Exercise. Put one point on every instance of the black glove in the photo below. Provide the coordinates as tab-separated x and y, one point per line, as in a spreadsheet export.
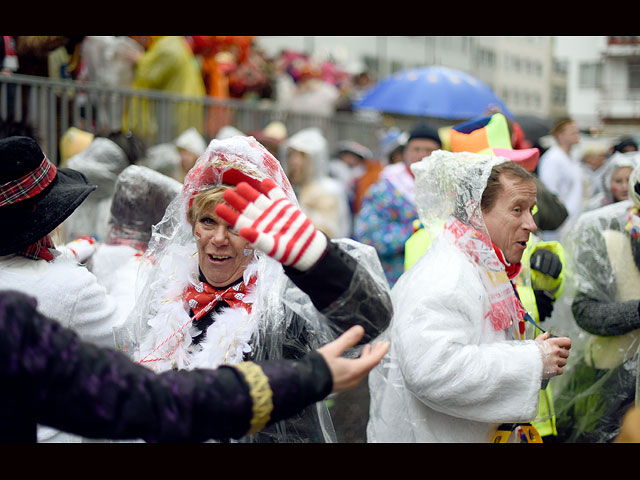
547	262
544	302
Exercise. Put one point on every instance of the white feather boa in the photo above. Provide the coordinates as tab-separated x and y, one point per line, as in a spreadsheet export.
167	343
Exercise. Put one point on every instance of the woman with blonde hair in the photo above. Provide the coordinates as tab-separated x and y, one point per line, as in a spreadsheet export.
217	293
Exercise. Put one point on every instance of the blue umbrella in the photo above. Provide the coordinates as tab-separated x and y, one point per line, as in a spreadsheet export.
435	91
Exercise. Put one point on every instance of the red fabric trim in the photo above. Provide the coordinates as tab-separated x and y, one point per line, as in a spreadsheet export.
29	185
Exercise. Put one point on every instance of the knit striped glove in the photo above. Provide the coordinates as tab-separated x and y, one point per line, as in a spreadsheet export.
80	249
271	223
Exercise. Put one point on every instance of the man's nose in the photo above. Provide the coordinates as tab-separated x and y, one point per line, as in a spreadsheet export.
530	224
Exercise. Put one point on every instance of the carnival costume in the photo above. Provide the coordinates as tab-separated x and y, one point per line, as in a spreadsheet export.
457	366
53	378
271	312
36	197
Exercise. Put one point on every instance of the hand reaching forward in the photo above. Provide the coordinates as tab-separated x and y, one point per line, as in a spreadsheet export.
271	223
349	372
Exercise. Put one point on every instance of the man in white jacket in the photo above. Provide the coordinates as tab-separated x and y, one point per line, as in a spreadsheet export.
459	365
561	173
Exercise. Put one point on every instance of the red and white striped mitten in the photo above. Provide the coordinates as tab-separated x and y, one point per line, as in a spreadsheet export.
80	249
271	223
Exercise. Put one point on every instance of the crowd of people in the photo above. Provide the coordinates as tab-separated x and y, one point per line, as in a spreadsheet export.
242	286
216	66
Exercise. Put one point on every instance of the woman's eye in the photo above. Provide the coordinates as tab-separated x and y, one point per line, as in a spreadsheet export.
207	221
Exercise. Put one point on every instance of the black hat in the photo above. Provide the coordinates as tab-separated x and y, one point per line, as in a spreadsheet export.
35	196
424	130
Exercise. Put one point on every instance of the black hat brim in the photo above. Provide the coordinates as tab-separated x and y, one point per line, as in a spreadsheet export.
28	221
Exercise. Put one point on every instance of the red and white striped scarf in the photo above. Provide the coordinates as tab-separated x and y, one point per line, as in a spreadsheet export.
497	274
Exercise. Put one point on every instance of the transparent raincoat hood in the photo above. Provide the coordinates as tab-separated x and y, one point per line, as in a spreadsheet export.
159	331
140	198
600	381
616	161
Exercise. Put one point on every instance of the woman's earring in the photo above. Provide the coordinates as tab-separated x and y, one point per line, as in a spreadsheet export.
247	251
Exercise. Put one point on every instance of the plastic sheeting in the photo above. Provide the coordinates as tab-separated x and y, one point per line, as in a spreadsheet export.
452	347
605	195
283	322
139	202
102	161
600	381
141	196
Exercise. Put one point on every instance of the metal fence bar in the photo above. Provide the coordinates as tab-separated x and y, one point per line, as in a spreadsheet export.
52	105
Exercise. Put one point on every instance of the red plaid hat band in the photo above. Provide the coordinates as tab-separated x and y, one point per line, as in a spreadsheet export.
29	185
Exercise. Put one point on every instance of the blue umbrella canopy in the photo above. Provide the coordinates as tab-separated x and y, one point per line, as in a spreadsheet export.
435	91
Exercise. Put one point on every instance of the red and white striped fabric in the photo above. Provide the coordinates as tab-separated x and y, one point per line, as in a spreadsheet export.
271	223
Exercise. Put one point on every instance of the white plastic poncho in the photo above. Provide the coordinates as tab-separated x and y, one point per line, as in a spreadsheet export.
159	332
454	371
600	381
102	161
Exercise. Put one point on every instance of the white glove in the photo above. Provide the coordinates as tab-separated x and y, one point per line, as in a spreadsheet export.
80	249
271	223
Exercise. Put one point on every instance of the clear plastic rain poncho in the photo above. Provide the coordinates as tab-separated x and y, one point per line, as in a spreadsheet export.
283	321
102	161
140	199
600	380
456	366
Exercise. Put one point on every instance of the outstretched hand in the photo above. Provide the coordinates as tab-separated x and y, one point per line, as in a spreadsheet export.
349	372
271	223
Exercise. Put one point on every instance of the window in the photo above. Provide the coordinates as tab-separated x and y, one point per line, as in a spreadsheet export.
560	66
559	96
590	75
634	75
486	57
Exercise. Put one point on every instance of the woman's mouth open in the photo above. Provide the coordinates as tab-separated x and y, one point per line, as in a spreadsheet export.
218	258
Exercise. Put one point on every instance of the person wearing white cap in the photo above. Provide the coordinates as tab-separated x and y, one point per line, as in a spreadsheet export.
190	145
322	198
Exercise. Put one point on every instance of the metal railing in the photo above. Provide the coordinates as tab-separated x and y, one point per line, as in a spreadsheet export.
51	106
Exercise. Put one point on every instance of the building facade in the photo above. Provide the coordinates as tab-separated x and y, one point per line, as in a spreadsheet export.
519	69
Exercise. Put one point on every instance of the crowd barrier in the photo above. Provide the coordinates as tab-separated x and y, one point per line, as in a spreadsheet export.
51	106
